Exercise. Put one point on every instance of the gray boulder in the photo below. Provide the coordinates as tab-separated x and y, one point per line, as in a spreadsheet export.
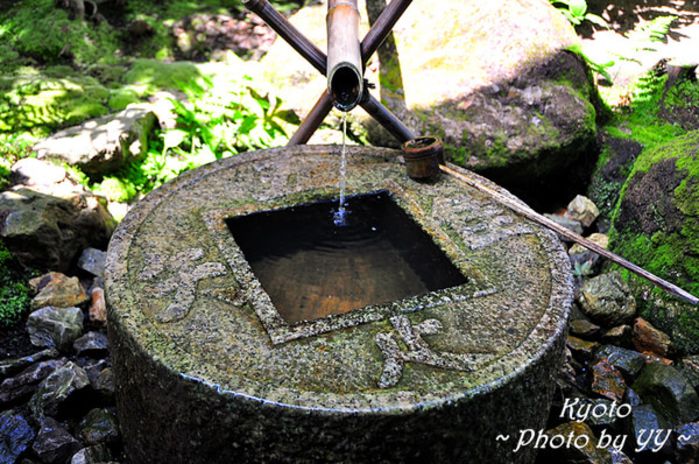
55	327
63	384
102	145
493	82
45	228
92	260
607	299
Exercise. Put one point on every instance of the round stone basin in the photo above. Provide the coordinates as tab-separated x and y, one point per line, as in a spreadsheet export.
209	370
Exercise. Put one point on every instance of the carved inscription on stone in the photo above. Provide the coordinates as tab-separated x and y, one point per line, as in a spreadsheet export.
418	351
178	276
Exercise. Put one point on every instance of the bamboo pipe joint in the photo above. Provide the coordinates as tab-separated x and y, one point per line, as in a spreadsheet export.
345	66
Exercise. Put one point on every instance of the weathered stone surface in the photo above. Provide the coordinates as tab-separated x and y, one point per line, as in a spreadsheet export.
60	386
583	349
657	227
607	299
99	426
102	145
688	441
92	260
588	454
32	172
607	381
619	335
612	169
98	307
15	436
25	383
627	361
583	328
98	454
689	366
649	339
580	255
47	230
91	344
103	382
54	444
55	327
669	392
12	366
502	94
194	379
643	419
583	210
568	223
60	291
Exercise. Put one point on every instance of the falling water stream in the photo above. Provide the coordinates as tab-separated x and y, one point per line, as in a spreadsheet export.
340	216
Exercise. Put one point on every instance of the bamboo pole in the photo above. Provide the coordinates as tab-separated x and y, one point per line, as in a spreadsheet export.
345	66
530	214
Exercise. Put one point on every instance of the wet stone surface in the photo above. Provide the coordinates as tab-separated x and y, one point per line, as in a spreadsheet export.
194	336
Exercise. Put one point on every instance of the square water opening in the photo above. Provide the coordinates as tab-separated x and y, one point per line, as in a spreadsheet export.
312	268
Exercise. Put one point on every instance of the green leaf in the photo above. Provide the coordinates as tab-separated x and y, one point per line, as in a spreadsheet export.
578	8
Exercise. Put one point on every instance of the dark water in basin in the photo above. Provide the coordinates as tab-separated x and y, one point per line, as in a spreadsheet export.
312	268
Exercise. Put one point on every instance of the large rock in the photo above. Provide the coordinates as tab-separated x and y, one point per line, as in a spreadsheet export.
656	225
46	229
102	145
25	383
55	327
669	392
492	82
54	444
57	389
15	436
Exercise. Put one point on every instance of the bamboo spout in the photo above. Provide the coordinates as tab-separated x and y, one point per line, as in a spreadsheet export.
345	68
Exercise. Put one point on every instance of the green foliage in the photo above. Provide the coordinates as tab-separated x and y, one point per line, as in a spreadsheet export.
12	148
14	294
599	67
225	118
45	33
641	120
575	12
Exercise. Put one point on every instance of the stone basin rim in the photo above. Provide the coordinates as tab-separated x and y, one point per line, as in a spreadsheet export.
561	297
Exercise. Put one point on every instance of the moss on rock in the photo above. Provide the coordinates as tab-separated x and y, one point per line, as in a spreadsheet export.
39	101
656	225
40	30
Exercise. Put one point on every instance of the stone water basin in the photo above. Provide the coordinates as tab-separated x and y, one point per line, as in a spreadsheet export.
375	356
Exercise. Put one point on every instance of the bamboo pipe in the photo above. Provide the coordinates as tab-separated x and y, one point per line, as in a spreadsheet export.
520	208
345	66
